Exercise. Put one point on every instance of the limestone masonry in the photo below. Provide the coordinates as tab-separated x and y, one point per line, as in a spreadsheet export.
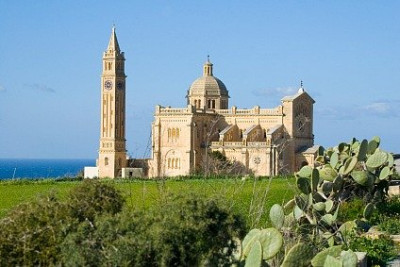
261	141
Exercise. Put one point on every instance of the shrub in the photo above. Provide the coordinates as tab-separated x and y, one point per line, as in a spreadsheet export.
379	250
184	231
93	197
390	208
31	234
351	210
390	225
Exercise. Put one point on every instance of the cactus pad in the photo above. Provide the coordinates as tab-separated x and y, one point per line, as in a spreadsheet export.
305	172
377	159
349	165
327	173
368	210
349	258
320	206
248	241
304	185
319	259
334	159
362	152
271	242
299	255
385	172
332	262
277	216
255	255
360	177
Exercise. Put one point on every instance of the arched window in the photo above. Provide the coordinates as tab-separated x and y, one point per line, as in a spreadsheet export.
199	102
105	161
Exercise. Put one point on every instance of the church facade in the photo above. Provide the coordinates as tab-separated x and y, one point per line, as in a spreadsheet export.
262	141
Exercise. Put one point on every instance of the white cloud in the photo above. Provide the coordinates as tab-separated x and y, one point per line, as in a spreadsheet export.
383	108
40	87
378	107
278	91
2	89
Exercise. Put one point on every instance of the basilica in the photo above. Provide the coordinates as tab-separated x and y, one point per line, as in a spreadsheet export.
262	141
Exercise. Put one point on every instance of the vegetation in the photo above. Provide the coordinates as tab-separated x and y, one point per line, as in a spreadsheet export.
379	250
358	172
89	227
201	221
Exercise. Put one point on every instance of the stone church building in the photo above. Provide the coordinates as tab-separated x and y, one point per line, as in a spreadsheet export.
262	141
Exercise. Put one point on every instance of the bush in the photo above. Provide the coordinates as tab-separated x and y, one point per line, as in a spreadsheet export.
90	228
31	234
93	197
390	208
184	231
379	250
351	210
390	226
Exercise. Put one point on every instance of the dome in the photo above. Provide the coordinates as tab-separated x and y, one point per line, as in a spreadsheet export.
208	85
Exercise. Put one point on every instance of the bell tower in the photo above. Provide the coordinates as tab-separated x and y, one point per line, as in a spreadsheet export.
112	150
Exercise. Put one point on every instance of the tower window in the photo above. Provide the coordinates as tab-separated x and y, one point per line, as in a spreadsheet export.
106	161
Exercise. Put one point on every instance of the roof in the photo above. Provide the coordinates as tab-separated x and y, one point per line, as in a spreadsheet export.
248	130
208	85
309	150
274	129
113	43
300	92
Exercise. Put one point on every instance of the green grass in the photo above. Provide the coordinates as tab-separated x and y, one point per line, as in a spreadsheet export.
251	198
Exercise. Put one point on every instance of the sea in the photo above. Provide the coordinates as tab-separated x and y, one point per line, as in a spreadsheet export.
42	168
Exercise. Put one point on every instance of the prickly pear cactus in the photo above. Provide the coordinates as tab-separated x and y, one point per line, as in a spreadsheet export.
277	216
254	258
299	255
349	170
270	240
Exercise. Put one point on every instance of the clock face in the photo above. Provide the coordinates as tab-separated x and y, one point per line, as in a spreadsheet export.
108	84
120	85
300	123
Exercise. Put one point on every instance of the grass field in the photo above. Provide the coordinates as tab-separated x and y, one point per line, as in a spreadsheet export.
251	198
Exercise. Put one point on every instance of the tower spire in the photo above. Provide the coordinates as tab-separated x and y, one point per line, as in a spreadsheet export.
113	43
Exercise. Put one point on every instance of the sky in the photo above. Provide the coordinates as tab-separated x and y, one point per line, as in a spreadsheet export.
347	53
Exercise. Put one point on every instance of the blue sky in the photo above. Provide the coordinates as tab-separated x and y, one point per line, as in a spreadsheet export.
346	52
